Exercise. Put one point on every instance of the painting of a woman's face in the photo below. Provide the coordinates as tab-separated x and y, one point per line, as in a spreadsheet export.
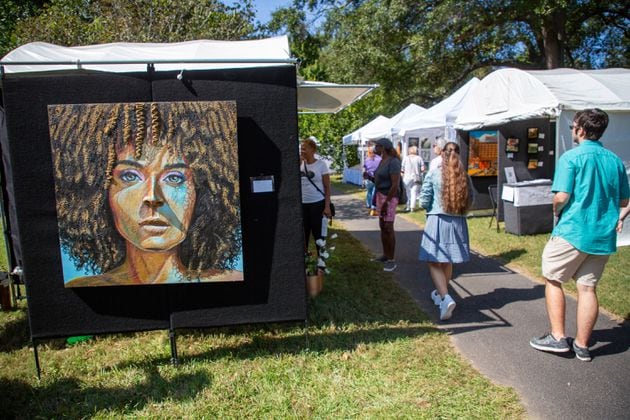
152	199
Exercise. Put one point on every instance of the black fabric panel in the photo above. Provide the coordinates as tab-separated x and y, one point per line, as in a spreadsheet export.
12	235
54	310
274	288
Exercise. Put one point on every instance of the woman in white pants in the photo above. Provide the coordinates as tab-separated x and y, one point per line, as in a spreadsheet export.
412	170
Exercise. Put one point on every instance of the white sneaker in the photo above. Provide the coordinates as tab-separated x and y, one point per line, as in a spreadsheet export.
447	306
435	296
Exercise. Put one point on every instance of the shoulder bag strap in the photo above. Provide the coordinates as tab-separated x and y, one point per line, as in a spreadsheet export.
311	181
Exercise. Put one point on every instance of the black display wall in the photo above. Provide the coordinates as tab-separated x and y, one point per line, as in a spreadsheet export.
273	288
545	141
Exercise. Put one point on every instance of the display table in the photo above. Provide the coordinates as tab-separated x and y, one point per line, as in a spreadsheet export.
527	207
353	175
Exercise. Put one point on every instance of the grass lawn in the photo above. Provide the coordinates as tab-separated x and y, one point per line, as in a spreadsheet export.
371	354
522	254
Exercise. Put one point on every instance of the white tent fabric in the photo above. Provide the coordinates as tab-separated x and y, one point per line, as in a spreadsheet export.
511	94
369	131
438	117
410	111
379	127
313	97
322	97
124	57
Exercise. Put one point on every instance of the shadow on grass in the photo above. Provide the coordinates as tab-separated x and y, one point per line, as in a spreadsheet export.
263	345
509	256
68	397
15	334
317	341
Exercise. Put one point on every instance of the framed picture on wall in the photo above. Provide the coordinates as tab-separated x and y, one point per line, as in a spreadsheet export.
532	133
512	144
532	148
483	153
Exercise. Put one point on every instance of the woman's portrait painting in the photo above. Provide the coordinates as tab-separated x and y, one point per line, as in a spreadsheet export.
147	193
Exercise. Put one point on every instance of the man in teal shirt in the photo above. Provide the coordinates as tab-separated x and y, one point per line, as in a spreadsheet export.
590	186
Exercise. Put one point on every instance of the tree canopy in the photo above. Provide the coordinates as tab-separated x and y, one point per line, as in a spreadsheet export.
85	22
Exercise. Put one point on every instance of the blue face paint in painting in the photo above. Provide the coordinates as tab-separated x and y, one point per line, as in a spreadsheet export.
152	199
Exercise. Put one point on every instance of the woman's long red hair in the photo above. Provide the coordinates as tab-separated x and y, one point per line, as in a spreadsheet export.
454	181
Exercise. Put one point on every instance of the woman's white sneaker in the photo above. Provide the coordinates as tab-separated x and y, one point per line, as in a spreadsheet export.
447	306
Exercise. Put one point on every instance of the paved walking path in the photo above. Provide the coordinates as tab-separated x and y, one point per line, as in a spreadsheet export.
497	313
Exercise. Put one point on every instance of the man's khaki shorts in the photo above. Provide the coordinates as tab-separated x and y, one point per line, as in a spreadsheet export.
561	262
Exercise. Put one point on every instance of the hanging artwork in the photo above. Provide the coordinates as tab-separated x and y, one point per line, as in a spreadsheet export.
147	193
483	153
532	133
512	144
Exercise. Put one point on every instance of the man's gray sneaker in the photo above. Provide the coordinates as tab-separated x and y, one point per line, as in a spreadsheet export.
380	259
581	353
548	343
389	265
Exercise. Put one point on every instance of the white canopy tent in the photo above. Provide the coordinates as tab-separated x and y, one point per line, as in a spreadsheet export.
382	126
409	111
437	120
313	97
369	131
508	95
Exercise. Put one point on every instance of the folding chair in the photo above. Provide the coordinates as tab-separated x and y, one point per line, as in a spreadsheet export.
492	191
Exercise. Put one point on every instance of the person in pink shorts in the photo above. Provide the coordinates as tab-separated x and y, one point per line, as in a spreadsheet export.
387	180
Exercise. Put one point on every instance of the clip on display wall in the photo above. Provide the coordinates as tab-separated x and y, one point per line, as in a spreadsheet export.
134	198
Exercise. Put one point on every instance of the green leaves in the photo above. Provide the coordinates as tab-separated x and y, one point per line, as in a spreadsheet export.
82	22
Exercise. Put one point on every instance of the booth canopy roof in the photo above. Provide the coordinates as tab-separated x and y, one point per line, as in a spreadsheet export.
125	57
367	132
511	94
382	126
439	115
321	97
190	55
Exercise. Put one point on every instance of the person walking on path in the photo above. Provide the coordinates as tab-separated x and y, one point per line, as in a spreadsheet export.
438	145
372	161
446	195
387	179
315	177
590	186
412	170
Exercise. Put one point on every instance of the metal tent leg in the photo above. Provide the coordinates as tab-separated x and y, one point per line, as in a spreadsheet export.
172	339
36	355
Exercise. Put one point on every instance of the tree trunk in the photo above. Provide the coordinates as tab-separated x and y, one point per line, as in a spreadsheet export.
553	29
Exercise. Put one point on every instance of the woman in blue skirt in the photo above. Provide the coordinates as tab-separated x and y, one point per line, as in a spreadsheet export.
446	195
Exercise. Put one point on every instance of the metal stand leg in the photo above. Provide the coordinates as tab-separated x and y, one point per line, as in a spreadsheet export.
36	355
174	359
